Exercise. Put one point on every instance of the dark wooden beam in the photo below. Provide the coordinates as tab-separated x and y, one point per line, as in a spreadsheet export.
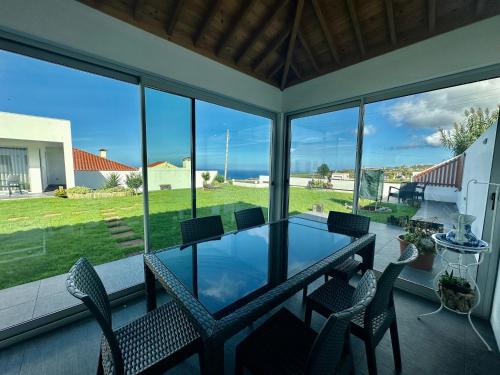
276	69
136	7
295	70
326	30
259	31
389	10
431	10
238	18
305	45
206	21
273	47
291	41
480	6
174	17
355	24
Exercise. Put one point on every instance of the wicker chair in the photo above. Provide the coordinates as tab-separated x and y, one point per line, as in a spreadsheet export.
201	228
371	324
285	345
251	217
149	345
351	225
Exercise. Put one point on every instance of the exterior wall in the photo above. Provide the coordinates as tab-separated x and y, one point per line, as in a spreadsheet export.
441	194
37	133
97	179
179	178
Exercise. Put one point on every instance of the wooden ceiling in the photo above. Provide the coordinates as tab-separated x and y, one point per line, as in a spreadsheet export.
284	42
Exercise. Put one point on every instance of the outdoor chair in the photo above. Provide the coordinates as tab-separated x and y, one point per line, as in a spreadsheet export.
250	217
285	345
201	228
150	344
13	183
355	226
407	191
370	324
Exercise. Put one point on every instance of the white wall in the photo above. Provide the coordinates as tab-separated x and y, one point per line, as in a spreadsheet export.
77	27
97	179
177	178
460	50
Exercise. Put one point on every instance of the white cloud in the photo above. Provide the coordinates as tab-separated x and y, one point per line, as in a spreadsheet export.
441	108
434	139
369	130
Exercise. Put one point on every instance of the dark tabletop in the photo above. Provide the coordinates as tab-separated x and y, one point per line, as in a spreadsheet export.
228	272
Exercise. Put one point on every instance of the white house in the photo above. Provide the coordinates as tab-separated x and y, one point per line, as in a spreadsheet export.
36	149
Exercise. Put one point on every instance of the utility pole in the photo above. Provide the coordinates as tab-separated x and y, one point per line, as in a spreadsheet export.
227	153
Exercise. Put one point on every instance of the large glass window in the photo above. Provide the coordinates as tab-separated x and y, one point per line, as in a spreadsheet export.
70	180
322	162
232	161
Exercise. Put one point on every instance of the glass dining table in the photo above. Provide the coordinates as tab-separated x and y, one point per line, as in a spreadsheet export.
225	283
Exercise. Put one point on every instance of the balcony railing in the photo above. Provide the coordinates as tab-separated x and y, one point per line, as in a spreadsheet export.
448	173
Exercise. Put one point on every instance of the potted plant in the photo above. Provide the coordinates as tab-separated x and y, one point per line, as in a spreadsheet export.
456	292
420	236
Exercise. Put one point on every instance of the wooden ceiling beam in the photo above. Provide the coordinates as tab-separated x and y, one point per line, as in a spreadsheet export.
305	45
480	6
206	21
259	31
326	30
136	6
389	10
238	18
276	69
431	14
291	41
273	47
174	17
355	24
295	70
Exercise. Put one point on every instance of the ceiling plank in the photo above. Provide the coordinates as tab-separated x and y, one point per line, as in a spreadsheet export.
273	47
136	7
355	24
295	70
276	69
389	9
431	10
174	17
291	42
259	31
306	47
326	30
206	21
480	6
238	18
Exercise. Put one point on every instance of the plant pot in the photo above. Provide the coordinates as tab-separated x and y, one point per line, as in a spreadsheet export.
423	261
461	301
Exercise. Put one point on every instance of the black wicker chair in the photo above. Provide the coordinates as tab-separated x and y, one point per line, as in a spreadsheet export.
251	217
371	324
151	344
285	345
201	228
351	225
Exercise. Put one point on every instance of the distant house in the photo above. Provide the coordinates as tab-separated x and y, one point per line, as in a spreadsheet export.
93	170
162	164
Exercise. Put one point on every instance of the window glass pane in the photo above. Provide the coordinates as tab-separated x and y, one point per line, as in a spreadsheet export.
241	139
63	128
322	162
168	126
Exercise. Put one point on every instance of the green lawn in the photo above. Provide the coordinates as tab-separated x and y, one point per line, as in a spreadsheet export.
42	237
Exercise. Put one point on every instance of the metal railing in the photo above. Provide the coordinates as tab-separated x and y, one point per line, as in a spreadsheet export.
448	173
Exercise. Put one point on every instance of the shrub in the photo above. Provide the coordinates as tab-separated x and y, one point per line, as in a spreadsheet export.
134	181
219	178
112	181
116	189
79	190
206	177
60	192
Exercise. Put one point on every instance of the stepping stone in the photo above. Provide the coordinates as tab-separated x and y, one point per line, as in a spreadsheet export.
17	218
107	209
134	253
131	243
119	229
112	218
115	223
52	215
123	234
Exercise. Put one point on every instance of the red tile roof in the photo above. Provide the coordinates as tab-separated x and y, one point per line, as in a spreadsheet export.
85	161
154	164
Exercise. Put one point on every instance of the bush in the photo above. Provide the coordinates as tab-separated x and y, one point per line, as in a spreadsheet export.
116	189
134	181
219	178
112	181
79	190
206	177
60	192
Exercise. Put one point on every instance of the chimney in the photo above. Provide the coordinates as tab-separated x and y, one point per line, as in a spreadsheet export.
103	153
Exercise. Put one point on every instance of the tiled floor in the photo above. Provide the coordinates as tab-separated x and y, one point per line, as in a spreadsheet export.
443	344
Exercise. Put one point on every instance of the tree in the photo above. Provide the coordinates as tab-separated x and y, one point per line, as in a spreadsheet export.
323	170
465	132
206	177
134	181
113	180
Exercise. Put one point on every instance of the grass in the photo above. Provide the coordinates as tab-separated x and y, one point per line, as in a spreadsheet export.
43	237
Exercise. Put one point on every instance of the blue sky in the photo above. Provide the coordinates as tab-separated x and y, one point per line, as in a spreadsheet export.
105	113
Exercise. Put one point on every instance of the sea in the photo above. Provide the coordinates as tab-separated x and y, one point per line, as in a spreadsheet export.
243	174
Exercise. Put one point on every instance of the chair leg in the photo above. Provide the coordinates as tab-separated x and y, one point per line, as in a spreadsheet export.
304	294
370	356
201	361
395	346
100	369
308	315
326	278
238	366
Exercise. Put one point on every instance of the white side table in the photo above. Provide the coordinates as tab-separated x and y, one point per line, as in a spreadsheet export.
462	268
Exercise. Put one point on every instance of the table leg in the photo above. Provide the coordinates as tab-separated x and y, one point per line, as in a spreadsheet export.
149	282
212	362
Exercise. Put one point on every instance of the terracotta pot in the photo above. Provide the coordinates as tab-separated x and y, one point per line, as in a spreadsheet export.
423	261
